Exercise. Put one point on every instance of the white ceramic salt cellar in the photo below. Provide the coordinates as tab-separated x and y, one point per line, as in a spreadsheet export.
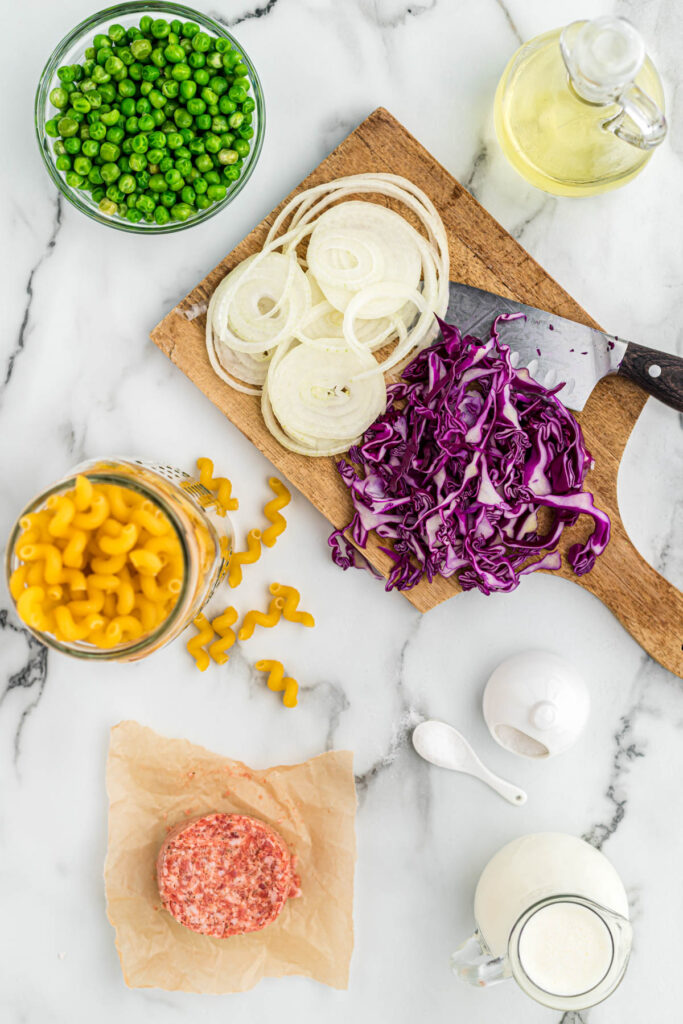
536	704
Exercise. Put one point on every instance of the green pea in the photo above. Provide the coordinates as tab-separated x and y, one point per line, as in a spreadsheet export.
95	176
235	120
138	161
87	85
127	88
132	125
142	178
214	60
128	107
202	76
114	65
155	156
126	55
174	140
212	143
58	148
249	105
99	75
157	57
166	164
158	115
115	194
181	72
170	88
187	195
134	216
127	183
95	100
195	106
51	128
108	92
241	147
145	88
246	132
59	98
174	178
196	60
227	139
98	130
150	73
74	180
63	163
161	215
146	24
98	194
240	70
157	183
67	127
237	94
126	146
146	123
109	152
135	72
174	53
232	173
157	99
212	177
196	146
80	103
182	118
200	185
182	153
82	166
184	166
168	198
216	192
108	207
90	148
110	117
188	89
160	28
202	202
218	86
228	156
141	49
66	73
110	172
201	42
203	163
219	124
222	45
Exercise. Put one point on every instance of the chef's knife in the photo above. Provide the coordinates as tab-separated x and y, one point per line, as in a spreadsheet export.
555	349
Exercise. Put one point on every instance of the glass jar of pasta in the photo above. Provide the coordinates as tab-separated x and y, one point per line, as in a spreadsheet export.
114	560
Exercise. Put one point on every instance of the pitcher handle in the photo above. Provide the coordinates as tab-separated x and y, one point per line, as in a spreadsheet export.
473	962
640	122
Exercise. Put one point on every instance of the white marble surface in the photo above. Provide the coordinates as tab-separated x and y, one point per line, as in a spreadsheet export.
81	378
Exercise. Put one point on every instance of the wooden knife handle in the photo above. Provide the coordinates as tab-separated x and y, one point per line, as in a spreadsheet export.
658	373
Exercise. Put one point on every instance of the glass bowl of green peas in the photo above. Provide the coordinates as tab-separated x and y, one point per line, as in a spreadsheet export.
150	117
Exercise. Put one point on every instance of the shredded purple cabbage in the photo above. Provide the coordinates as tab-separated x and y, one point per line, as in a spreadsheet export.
455	471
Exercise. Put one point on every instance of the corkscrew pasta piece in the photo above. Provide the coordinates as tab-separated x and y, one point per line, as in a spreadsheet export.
279	682
248	557
220	485
196	643
257	618
290	610
222	625
99	564
272	512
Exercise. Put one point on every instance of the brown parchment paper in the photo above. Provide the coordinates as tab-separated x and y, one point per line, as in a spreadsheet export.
153	783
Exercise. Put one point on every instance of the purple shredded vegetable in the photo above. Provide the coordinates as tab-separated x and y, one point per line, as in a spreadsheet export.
454	473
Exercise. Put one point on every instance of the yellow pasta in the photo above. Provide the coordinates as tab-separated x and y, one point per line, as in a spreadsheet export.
292	598
83	493
272	512
146	562
98	564
220	485
256	618
64	511
248	557
222	625
279	682
196	644
30	607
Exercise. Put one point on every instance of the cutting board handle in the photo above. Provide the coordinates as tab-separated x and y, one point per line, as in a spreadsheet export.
646	604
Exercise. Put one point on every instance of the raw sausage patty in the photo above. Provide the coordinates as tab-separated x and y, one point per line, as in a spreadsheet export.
225	874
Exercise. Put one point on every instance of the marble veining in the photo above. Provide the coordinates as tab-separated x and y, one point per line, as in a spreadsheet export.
79	377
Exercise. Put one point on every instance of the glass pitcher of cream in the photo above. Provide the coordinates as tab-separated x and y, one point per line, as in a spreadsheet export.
552	913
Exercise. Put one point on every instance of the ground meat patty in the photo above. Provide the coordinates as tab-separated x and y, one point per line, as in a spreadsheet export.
225	874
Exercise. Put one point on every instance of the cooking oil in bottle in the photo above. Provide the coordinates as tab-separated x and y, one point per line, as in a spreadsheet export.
579	110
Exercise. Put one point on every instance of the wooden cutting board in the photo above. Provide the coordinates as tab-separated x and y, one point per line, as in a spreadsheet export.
482	254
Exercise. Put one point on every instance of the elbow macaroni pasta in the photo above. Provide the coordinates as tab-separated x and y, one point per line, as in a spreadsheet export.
271	511
292	598
267	619
222	625
248	557
196	643
99	564
279	682
220	485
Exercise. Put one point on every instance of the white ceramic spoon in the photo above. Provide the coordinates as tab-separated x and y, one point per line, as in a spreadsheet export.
445	747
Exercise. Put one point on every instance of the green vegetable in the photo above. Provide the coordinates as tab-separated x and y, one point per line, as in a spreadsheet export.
155	122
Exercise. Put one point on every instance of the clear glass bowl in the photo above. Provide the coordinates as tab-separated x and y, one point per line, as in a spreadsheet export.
71	50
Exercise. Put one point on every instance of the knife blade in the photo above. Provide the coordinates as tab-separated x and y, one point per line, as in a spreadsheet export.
555	349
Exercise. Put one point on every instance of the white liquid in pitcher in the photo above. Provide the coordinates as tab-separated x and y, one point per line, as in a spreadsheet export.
533	868
565	949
